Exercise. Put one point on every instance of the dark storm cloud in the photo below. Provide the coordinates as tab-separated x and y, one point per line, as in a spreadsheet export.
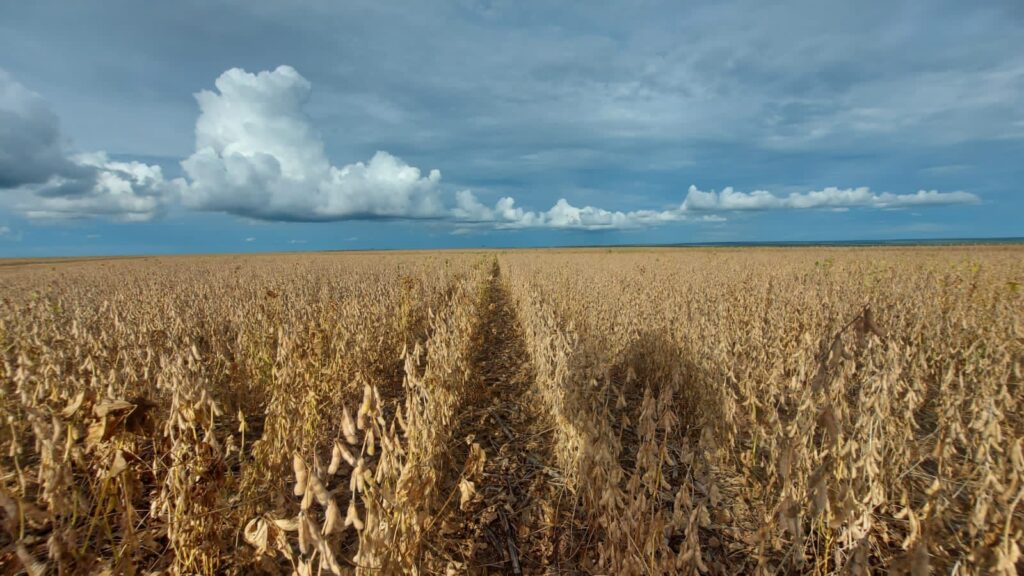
30	147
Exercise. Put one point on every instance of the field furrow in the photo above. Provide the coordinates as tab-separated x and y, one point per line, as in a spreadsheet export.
506	485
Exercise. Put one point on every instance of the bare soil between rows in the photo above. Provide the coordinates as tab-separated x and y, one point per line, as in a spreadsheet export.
510	523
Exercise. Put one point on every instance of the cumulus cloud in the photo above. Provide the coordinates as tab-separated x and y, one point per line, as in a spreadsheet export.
505	214
698	205
258	155
127	191
41	180
827	198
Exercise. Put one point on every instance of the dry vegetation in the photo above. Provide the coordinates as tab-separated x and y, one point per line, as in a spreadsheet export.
715	411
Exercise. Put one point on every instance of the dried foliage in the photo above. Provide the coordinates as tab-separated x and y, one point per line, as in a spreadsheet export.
715	411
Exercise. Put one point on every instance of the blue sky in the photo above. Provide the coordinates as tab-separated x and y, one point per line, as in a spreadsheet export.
130	127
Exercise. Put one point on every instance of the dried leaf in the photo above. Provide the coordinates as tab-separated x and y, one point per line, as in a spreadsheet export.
113	407
74	405
117	466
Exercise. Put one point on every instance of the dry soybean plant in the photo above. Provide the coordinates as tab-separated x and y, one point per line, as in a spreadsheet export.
151	407
781	411
694	411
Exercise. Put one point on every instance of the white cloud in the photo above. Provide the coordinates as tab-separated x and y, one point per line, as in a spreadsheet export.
258	155
8	234
713	218
126	191
505	214
831	198
41	180
467	207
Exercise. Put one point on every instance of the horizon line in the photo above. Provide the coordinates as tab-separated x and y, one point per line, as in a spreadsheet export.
864	243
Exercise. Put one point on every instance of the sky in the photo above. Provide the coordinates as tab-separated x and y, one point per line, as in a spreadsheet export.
177	127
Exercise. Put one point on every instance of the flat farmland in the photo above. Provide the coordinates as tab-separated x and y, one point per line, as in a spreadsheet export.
596	411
